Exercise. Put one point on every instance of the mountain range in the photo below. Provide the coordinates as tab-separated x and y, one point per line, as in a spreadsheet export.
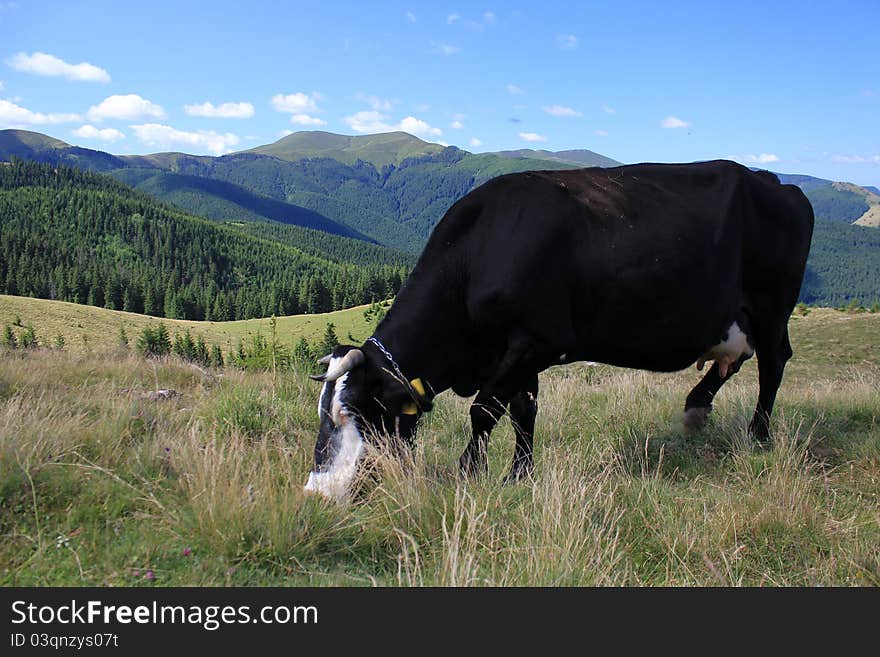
390	189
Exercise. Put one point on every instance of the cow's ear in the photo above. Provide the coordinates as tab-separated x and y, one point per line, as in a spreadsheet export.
420	395
407	399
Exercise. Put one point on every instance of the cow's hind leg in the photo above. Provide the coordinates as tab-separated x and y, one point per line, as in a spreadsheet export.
523	410
774	350
698	404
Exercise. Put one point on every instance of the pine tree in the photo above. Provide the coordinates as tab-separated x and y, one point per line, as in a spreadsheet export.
200	351
170	303
302	354
122	339
216	359
329	341
9	337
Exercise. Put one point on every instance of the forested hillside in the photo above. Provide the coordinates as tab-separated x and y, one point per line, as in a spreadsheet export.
223	201
844	265
77	236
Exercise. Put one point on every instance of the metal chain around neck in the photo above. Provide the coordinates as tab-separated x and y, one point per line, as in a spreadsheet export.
388	355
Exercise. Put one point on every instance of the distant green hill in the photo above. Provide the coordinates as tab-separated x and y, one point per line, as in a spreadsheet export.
578	157
379	150
42	148
223	201
833	204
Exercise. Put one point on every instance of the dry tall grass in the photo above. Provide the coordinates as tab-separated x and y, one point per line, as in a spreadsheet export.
100	484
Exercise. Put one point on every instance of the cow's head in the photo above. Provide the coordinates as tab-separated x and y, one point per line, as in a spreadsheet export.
363	401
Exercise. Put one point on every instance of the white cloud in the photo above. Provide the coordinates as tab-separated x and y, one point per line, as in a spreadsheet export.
41	63
488	17
222	111
513	90
567	41
763	158
376	103
531	136
451	18
445	48
418	127
296	103
601	133
608	110
91	132
368	121
475	142
1	85
305	119
856	159
130	107
371	121
12	115
284	133
301	106
411	17
559	110
456	125
674	122
164	136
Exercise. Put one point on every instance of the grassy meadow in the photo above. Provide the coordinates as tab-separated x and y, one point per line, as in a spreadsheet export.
87	329
100	485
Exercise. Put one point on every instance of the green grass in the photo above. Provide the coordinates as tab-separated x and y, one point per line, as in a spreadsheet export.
87	329
99	484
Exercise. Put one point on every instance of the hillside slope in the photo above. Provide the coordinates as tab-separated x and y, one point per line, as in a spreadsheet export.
96	330
222	201
390	148
78	236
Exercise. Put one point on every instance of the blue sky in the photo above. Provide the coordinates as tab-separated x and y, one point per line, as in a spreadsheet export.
792	86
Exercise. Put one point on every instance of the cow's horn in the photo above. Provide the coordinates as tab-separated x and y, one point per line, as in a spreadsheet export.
348	362
325	359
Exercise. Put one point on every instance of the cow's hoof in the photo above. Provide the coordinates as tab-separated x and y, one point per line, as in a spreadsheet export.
471	467
518	474
696	418
760	432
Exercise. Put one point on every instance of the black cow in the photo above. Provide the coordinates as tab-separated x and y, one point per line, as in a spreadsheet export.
649	266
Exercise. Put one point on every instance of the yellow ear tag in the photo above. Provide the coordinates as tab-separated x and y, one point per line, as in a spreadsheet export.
410	408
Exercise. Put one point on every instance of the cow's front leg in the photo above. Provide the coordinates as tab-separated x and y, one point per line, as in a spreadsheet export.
512	376
485	412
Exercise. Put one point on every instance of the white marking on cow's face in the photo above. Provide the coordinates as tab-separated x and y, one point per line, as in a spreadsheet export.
334	481
337	408
728	351
345	445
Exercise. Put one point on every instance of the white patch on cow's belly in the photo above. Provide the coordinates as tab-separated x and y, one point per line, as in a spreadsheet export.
335	481
728	351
